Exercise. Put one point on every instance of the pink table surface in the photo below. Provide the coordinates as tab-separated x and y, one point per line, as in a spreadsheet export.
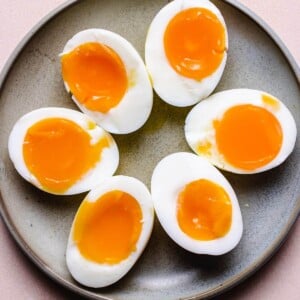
20	279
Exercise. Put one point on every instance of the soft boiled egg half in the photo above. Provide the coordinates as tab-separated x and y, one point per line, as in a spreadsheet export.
186	51
62	151
110	231
196	205
242	131
107	79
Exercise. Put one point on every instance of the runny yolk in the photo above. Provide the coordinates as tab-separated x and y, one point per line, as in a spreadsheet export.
204	210
96	76
248	136
58	152
195	42
107	230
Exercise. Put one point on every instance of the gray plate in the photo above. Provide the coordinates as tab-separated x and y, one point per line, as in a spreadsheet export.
40	222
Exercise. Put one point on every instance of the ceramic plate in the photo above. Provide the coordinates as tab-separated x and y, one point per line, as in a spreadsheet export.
40	223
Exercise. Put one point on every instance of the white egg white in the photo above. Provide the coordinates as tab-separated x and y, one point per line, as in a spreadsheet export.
104	168
97	275
135	107
172	87
170	176
199	125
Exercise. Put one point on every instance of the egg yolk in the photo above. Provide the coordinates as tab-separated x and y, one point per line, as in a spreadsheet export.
107	230
195	42
248	136
204	210
96	76
58	152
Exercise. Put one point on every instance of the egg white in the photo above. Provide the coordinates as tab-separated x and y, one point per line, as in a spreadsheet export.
170	176
94	274
199	125
105	167
172	87
135	107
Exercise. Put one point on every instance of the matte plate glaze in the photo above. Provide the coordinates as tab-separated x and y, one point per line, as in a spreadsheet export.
40	222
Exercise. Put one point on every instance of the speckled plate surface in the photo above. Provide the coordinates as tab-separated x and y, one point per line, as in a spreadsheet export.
40	222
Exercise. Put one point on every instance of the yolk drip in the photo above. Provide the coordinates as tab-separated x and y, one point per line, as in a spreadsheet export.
195	43
270	102
248	136
58	152
204	210
95	75
107	230
204	148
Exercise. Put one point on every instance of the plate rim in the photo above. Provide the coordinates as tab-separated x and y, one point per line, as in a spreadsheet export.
229	283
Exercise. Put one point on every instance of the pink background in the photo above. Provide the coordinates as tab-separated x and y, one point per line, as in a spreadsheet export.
20	279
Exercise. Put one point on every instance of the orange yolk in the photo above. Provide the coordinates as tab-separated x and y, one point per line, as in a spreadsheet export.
195	42
204	210
107	230
58	152
248	136
95	75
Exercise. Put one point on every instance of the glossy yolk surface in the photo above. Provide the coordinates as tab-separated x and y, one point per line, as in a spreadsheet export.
58	152
195	43
107	230
204	210
95	75
248	136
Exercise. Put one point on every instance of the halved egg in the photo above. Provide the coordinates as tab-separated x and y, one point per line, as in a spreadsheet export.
241	131
110	231
62	151
186	51
196	205
107	79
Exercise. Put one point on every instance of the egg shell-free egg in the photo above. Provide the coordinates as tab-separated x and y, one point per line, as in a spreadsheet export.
135	107
170	176
172	87
199	125
94	274
105	167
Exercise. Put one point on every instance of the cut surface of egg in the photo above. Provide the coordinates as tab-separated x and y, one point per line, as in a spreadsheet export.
110	231
241	131
196	205
62	151
186	51
107	79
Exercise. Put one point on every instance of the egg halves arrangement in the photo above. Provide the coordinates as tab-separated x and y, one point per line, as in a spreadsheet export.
65	152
